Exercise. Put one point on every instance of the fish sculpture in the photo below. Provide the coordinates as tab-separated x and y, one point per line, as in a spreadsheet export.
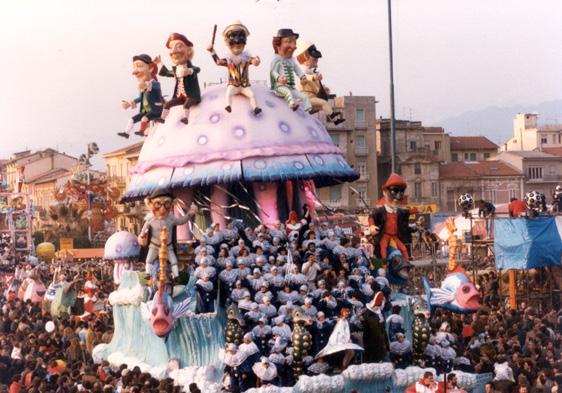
456	294
398	267
302	341
421	330
162	310
234	332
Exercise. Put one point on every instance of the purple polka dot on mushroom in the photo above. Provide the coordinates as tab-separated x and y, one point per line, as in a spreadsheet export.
313	132
239	131
299	165
319	160
284	127
270	104
214	118
202	140
118	249
188	170
260	164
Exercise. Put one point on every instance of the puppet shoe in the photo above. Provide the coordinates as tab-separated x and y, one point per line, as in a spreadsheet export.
257	110
184	120
159	120
139	133
339	121
123	134
228	108
294	107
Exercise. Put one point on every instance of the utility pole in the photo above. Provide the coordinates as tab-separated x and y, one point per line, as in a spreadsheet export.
392	119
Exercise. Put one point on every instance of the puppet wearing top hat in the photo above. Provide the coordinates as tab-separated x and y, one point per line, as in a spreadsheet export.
285	72
311	85
389	222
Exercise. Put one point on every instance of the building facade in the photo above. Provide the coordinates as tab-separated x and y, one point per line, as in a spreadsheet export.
541	171
419	151
472	148
356	138
493	181
118	163
528	135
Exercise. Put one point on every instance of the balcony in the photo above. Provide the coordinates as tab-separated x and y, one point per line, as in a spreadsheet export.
360	125
361	151
550	178
359	202
334	204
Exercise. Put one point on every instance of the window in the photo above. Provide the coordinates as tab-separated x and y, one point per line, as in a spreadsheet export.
559	138
454	157
543	140
434	189
362	168
417	168
335	139
362	191
359	117
417	190
360	141
437	145
553	139
335	193
472	156
412	145
512	194
534	172
466	156
486	156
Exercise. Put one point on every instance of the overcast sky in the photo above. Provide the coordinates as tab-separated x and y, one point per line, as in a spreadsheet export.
66	65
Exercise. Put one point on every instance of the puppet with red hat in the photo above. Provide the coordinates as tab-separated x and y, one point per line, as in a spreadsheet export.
186	90
389	222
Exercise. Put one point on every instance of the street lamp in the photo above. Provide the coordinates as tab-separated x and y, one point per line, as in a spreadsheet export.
392	120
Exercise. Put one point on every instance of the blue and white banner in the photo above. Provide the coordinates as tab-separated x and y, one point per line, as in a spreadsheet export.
527	243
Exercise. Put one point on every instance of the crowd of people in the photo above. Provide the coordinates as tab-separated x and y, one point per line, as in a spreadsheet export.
269	274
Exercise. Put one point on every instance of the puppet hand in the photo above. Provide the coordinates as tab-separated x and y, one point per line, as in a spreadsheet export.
282	80
157	60
256	61
210	48
189	71
141	240
125	104
318	76
194	209
374	229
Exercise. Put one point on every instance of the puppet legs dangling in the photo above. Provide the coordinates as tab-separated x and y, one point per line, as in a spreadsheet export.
152	261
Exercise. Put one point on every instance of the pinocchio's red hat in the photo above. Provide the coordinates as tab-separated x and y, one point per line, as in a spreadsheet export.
378	301
394	180
176	37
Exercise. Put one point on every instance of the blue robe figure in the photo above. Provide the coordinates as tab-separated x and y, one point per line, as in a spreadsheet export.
206	295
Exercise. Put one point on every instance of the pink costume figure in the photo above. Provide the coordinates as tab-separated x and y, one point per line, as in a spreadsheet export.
238	64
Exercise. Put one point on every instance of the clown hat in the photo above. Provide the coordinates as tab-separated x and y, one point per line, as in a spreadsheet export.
394	180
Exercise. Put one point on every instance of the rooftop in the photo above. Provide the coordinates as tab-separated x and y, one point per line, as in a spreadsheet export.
135	148
530	153
463	170
555	151
472	143
49	176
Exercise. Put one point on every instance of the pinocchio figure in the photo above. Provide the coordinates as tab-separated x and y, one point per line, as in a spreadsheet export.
390	222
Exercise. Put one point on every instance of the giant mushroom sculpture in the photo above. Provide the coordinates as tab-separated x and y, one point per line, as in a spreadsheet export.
274	159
